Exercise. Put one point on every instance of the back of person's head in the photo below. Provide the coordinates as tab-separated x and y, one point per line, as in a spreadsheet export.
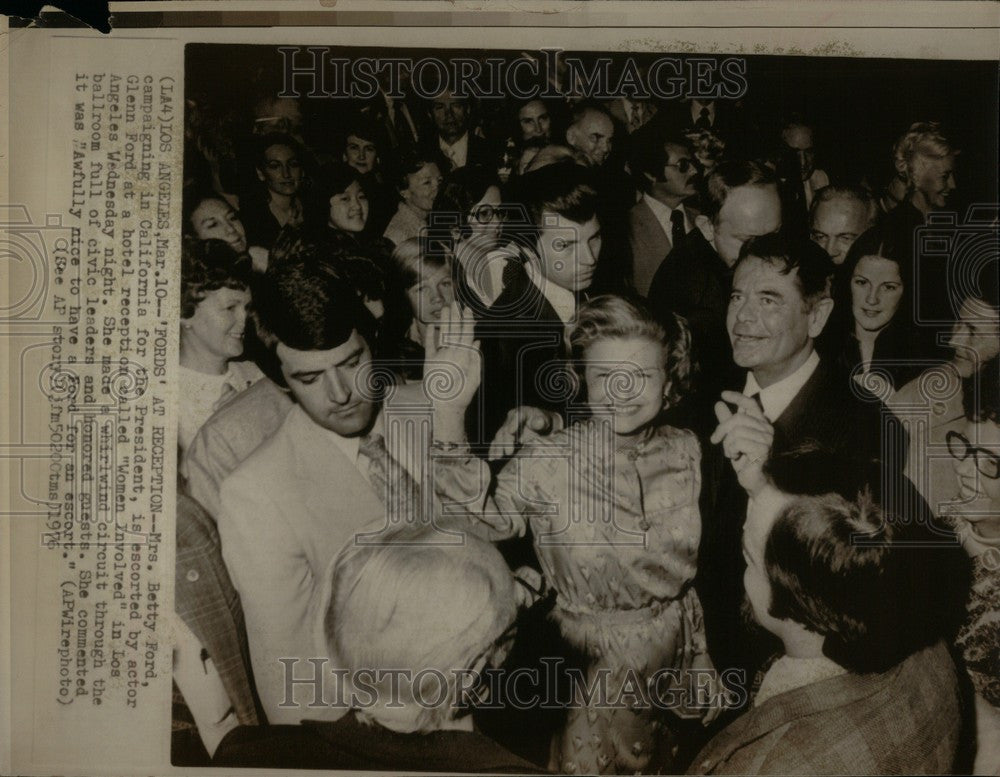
611	316
433	611
209	265
304	302
729	175
833	568
848	558
812	265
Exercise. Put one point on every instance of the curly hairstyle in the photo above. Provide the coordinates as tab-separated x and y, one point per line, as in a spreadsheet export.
614	316
207	266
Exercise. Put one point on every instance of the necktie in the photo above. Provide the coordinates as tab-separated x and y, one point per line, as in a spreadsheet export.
677	232
703	121
398	491
400	132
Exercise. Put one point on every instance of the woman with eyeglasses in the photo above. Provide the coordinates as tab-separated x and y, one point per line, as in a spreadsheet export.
937	392
280	168
467	223
975	451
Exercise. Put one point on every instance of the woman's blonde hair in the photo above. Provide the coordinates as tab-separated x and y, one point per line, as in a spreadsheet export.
614	316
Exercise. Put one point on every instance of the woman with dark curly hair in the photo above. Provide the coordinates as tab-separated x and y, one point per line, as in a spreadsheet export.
215	297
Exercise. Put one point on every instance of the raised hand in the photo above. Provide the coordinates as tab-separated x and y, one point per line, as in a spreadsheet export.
452	367
746	436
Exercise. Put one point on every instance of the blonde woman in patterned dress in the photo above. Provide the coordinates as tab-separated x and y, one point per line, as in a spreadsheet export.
612	504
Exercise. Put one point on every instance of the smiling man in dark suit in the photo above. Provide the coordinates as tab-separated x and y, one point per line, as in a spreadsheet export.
779	303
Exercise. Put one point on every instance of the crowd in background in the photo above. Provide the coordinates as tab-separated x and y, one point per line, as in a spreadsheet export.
700	406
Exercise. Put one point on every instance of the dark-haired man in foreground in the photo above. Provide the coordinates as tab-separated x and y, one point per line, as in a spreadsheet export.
856	689
323	475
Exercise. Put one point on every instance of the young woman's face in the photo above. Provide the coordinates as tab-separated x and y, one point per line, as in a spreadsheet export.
349	209
876	291
431	294
282	171
216	219
973	484
627	381
218	323
422	187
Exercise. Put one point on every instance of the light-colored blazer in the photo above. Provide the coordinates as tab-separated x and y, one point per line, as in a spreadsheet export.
285	514
650	245
229	436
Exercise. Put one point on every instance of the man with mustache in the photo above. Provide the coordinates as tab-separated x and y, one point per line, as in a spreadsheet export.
668	173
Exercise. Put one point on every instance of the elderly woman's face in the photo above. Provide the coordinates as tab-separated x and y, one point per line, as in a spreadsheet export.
876	291
216	219
282	171
349	209
422	187
218	323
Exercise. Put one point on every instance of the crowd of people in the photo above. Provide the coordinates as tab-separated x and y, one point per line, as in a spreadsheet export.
630	395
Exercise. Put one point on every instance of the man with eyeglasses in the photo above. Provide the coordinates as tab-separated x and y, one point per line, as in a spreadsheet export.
976	513
668	175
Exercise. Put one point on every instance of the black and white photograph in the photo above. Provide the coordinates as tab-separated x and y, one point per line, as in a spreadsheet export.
525	387
588	413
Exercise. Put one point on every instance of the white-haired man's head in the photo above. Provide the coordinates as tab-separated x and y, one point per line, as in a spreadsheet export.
434	612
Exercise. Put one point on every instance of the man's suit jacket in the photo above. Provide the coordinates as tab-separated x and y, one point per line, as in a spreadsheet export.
204	598
480	152
906	720
285	514
229	436
826	411
521	337
650	245
695	282
351	744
